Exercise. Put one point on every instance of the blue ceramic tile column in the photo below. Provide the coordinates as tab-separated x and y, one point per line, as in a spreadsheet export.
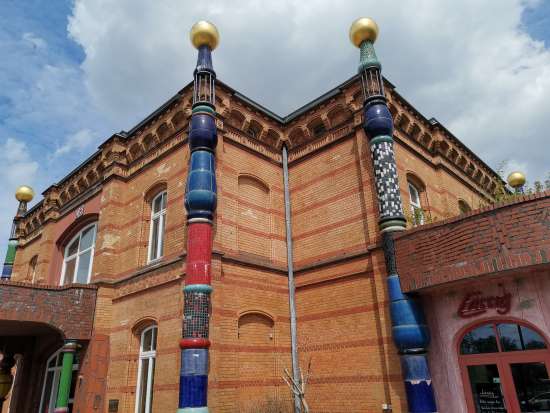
200	203
409	329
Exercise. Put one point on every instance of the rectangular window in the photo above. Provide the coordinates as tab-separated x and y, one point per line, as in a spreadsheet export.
146	370
156	233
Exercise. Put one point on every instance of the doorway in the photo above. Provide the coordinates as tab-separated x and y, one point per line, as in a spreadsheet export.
505	367
51	382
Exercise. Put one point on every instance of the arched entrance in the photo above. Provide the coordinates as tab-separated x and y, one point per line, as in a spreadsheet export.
505	367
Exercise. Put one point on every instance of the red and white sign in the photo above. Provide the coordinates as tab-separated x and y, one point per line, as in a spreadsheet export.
79	211
475	303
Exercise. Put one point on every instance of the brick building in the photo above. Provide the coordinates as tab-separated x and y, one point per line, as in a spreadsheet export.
102	259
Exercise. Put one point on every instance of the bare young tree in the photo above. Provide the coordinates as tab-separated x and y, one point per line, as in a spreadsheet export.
298	389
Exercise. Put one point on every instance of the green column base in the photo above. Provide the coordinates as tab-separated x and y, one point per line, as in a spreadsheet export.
62	403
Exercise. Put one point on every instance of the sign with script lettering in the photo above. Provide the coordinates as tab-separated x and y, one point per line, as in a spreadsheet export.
476	303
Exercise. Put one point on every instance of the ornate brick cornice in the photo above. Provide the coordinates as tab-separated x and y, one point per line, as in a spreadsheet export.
332	117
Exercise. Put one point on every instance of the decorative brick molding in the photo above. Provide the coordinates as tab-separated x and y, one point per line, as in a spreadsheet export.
502	237
70	310
244	122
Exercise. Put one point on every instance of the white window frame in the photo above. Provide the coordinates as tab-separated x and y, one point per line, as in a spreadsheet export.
151	356
79	253
161	215
55	383
414	198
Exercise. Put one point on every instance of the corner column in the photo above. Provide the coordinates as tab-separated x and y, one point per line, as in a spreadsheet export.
62	402
23	194
409	330
200	203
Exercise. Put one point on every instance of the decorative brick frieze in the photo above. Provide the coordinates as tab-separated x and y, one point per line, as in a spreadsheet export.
502	237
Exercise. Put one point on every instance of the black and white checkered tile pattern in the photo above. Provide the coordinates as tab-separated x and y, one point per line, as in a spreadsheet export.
387	184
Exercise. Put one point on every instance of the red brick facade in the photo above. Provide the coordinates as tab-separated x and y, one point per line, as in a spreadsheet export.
342	305
69	310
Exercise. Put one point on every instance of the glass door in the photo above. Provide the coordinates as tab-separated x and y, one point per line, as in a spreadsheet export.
505	368
532	386
487	389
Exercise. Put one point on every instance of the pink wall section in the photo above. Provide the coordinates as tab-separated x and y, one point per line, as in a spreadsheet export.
530	303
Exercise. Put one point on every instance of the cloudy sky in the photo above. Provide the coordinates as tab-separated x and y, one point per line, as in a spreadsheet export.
72	73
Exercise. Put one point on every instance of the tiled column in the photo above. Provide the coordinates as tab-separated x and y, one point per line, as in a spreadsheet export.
200	203
409	329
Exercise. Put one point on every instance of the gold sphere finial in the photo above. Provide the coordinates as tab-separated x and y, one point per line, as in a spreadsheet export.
24	193
516	179
363	29
204	33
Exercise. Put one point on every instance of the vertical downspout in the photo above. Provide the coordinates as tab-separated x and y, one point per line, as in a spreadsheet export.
291	287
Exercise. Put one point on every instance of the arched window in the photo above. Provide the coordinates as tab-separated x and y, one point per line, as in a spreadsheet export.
146	370
31	273
156	231
501	337
78	257
51	382
463	206
416	207
505	367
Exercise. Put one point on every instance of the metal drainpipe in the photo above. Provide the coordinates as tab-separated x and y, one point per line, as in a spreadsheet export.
291	287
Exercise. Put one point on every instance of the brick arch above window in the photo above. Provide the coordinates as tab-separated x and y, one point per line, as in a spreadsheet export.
139	325
414	179
154	189
75	228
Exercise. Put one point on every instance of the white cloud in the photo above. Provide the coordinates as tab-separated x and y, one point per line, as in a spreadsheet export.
79	142
34	41
17	168
468	63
